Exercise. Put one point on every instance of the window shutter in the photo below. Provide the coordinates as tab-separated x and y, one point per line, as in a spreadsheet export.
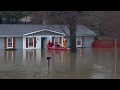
26	42
14	42
34	41
5	42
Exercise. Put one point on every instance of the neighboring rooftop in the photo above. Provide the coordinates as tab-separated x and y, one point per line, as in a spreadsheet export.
84	31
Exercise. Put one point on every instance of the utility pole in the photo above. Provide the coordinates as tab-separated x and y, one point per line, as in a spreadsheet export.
115	54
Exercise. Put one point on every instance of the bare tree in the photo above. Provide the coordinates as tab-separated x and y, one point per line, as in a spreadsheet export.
96	21
39	17
1	17
69	18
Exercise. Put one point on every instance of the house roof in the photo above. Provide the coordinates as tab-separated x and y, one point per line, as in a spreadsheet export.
26	29
81	30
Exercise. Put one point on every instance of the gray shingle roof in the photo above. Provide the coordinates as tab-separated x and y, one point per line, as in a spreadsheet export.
20	29
84	31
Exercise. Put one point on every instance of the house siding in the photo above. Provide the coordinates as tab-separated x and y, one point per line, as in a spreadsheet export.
2	43
88	42
19	42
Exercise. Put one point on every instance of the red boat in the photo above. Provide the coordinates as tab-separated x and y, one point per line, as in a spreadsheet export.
59	48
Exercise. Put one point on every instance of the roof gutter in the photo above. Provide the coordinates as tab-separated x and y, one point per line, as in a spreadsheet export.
11	35
44	30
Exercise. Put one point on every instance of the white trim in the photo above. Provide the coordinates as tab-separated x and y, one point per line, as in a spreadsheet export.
7	42
38	39
24	42
44	30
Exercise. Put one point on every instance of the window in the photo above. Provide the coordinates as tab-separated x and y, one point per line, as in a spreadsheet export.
10	42
78	42
56	40
30	42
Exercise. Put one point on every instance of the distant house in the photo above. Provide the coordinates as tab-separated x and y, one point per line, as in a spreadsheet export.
26	19
30	36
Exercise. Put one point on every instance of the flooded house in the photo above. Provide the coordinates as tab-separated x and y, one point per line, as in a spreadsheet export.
31	36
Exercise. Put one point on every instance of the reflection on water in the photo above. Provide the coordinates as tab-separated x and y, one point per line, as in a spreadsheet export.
87	63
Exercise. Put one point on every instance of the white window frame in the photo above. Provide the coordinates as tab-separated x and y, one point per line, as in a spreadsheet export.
7	42
55	39
32	40
79	39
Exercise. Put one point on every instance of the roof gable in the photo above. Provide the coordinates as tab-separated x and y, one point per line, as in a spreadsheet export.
45	30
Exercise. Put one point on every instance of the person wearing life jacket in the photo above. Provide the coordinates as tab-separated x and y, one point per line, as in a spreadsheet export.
64	42
49	44
52	44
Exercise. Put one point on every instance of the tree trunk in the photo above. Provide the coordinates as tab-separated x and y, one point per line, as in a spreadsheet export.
73	39
0	20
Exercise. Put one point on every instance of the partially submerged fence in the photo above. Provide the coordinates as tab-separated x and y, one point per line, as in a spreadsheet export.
107	41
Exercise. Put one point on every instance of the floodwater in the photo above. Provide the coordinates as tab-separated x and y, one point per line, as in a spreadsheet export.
86	63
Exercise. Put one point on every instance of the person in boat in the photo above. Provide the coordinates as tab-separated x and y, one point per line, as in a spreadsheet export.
52	44
58	45
49	43
64	42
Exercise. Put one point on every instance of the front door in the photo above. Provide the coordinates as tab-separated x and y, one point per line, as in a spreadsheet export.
43	42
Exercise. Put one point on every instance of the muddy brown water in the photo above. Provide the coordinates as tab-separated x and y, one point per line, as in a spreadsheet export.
86	63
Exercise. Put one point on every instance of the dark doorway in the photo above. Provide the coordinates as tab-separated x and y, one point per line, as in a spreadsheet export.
43	42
